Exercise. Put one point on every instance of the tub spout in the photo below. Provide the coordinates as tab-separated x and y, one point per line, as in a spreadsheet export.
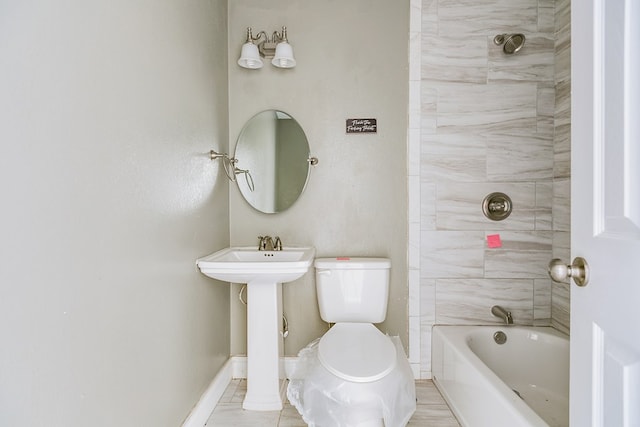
500	312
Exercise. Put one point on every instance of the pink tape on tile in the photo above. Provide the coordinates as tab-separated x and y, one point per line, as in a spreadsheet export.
493	241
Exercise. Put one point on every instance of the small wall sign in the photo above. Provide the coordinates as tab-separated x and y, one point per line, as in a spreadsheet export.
362	125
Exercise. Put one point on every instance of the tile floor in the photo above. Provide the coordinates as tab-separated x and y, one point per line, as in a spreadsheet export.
431	410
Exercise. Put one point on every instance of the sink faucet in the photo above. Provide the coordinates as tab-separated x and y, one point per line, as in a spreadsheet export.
500	312
277	244
267	243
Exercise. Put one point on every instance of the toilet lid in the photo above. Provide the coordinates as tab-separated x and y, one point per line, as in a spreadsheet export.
357	352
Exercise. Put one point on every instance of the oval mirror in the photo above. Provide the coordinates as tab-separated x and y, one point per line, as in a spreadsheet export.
272	161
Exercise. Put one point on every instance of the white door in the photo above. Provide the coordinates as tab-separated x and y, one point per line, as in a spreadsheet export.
605	212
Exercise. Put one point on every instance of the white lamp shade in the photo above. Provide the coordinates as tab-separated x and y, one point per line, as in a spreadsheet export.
250	58
284	56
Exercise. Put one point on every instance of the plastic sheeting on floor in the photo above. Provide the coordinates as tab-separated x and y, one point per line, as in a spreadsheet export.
325	400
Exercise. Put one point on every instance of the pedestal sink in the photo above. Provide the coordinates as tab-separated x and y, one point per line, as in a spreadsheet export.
263	272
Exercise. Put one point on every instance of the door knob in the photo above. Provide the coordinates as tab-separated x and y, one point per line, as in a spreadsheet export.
578	271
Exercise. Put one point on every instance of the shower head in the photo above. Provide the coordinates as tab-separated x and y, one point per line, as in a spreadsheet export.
512	43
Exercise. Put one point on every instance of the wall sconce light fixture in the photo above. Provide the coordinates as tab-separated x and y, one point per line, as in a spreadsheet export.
277	47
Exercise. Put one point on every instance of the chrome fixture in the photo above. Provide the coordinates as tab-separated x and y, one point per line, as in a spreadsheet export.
277	244
500	337
247	176
277	47
578	271
268	243
230	169
497	206
285	326
500	312
227	162
511	43
265	243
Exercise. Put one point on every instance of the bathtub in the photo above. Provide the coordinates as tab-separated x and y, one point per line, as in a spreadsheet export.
523	382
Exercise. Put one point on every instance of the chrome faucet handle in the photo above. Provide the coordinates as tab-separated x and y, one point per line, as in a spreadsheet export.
262	242
277	244
267	244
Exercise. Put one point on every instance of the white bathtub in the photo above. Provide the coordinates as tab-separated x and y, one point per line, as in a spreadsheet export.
477	376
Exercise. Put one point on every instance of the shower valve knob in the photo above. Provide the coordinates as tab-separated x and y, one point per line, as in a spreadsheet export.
578	271
497	206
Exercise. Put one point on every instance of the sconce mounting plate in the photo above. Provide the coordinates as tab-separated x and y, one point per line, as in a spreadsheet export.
267	49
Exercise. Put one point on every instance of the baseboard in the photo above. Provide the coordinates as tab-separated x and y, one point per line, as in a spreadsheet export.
290	364
235	367
239	366
209	399
415	369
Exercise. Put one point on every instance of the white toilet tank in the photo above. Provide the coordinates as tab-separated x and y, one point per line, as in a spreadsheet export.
352	289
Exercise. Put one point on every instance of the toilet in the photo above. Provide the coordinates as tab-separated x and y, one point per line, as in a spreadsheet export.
354	375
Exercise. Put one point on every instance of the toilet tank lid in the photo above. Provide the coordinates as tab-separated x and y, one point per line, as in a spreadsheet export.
347	263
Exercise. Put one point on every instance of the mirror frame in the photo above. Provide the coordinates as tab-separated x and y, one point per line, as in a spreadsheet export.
272	148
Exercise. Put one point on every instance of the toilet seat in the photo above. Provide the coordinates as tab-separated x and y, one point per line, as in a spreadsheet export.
357	352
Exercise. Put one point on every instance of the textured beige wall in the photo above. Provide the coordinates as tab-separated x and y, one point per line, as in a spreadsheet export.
108	110
352	63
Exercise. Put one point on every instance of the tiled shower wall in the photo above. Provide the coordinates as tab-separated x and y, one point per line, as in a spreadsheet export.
487	124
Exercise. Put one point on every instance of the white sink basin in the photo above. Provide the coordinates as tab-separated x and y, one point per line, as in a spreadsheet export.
263	272
248	264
